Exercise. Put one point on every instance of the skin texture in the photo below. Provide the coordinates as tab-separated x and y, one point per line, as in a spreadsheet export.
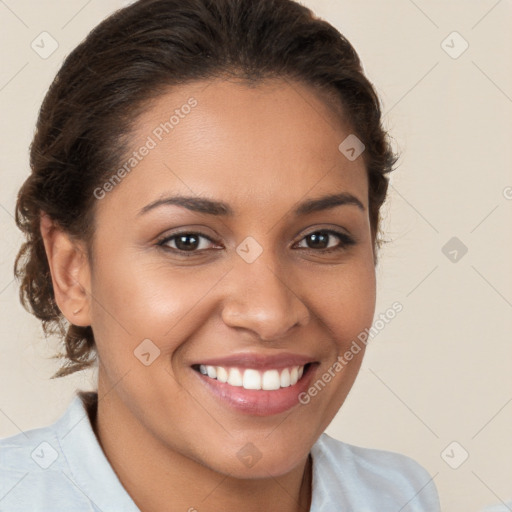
263	150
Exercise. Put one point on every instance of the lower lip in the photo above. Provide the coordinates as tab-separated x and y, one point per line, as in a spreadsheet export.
258	402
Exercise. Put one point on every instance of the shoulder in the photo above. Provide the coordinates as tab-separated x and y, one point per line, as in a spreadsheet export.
391	465
28	452
365	477
33	465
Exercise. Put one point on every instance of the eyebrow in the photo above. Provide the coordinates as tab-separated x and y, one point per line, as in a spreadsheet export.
220	208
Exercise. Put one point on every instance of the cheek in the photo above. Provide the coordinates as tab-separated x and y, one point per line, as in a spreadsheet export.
344	300
134	300
358	304
344	303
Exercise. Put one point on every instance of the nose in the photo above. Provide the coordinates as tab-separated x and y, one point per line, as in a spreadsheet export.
260	300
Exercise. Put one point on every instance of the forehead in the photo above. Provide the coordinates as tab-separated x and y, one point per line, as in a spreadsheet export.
274	141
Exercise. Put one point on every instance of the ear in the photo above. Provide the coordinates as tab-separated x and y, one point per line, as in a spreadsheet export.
70	271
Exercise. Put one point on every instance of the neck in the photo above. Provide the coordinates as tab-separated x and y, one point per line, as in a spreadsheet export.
160	479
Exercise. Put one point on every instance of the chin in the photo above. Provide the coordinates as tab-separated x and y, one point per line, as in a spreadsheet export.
270	457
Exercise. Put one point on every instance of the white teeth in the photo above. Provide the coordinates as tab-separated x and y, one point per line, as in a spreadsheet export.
222	374
235	377
294	375
285	378
268	380
252	379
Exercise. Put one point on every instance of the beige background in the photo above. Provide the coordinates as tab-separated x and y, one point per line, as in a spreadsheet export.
441	370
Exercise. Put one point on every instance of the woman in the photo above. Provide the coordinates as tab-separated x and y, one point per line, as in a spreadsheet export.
202	220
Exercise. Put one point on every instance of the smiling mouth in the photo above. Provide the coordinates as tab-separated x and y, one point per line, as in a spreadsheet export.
250	378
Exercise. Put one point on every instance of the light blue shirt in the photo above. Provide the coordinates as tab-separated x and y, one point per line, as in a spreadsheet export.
62	468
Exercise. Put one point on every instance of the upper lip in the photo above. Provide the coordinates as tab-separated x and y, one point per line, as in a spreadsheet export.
259	361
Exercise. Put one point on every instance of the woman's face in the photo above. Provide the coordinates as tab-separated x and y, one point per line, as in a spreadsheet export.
247	275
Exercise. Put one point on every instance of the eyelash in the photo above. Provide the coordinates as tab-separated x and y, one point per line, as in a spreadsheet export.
345	241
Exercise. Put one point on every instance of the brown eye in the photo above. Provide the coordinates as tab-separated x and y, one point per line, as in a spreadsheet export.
327	240
186	242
